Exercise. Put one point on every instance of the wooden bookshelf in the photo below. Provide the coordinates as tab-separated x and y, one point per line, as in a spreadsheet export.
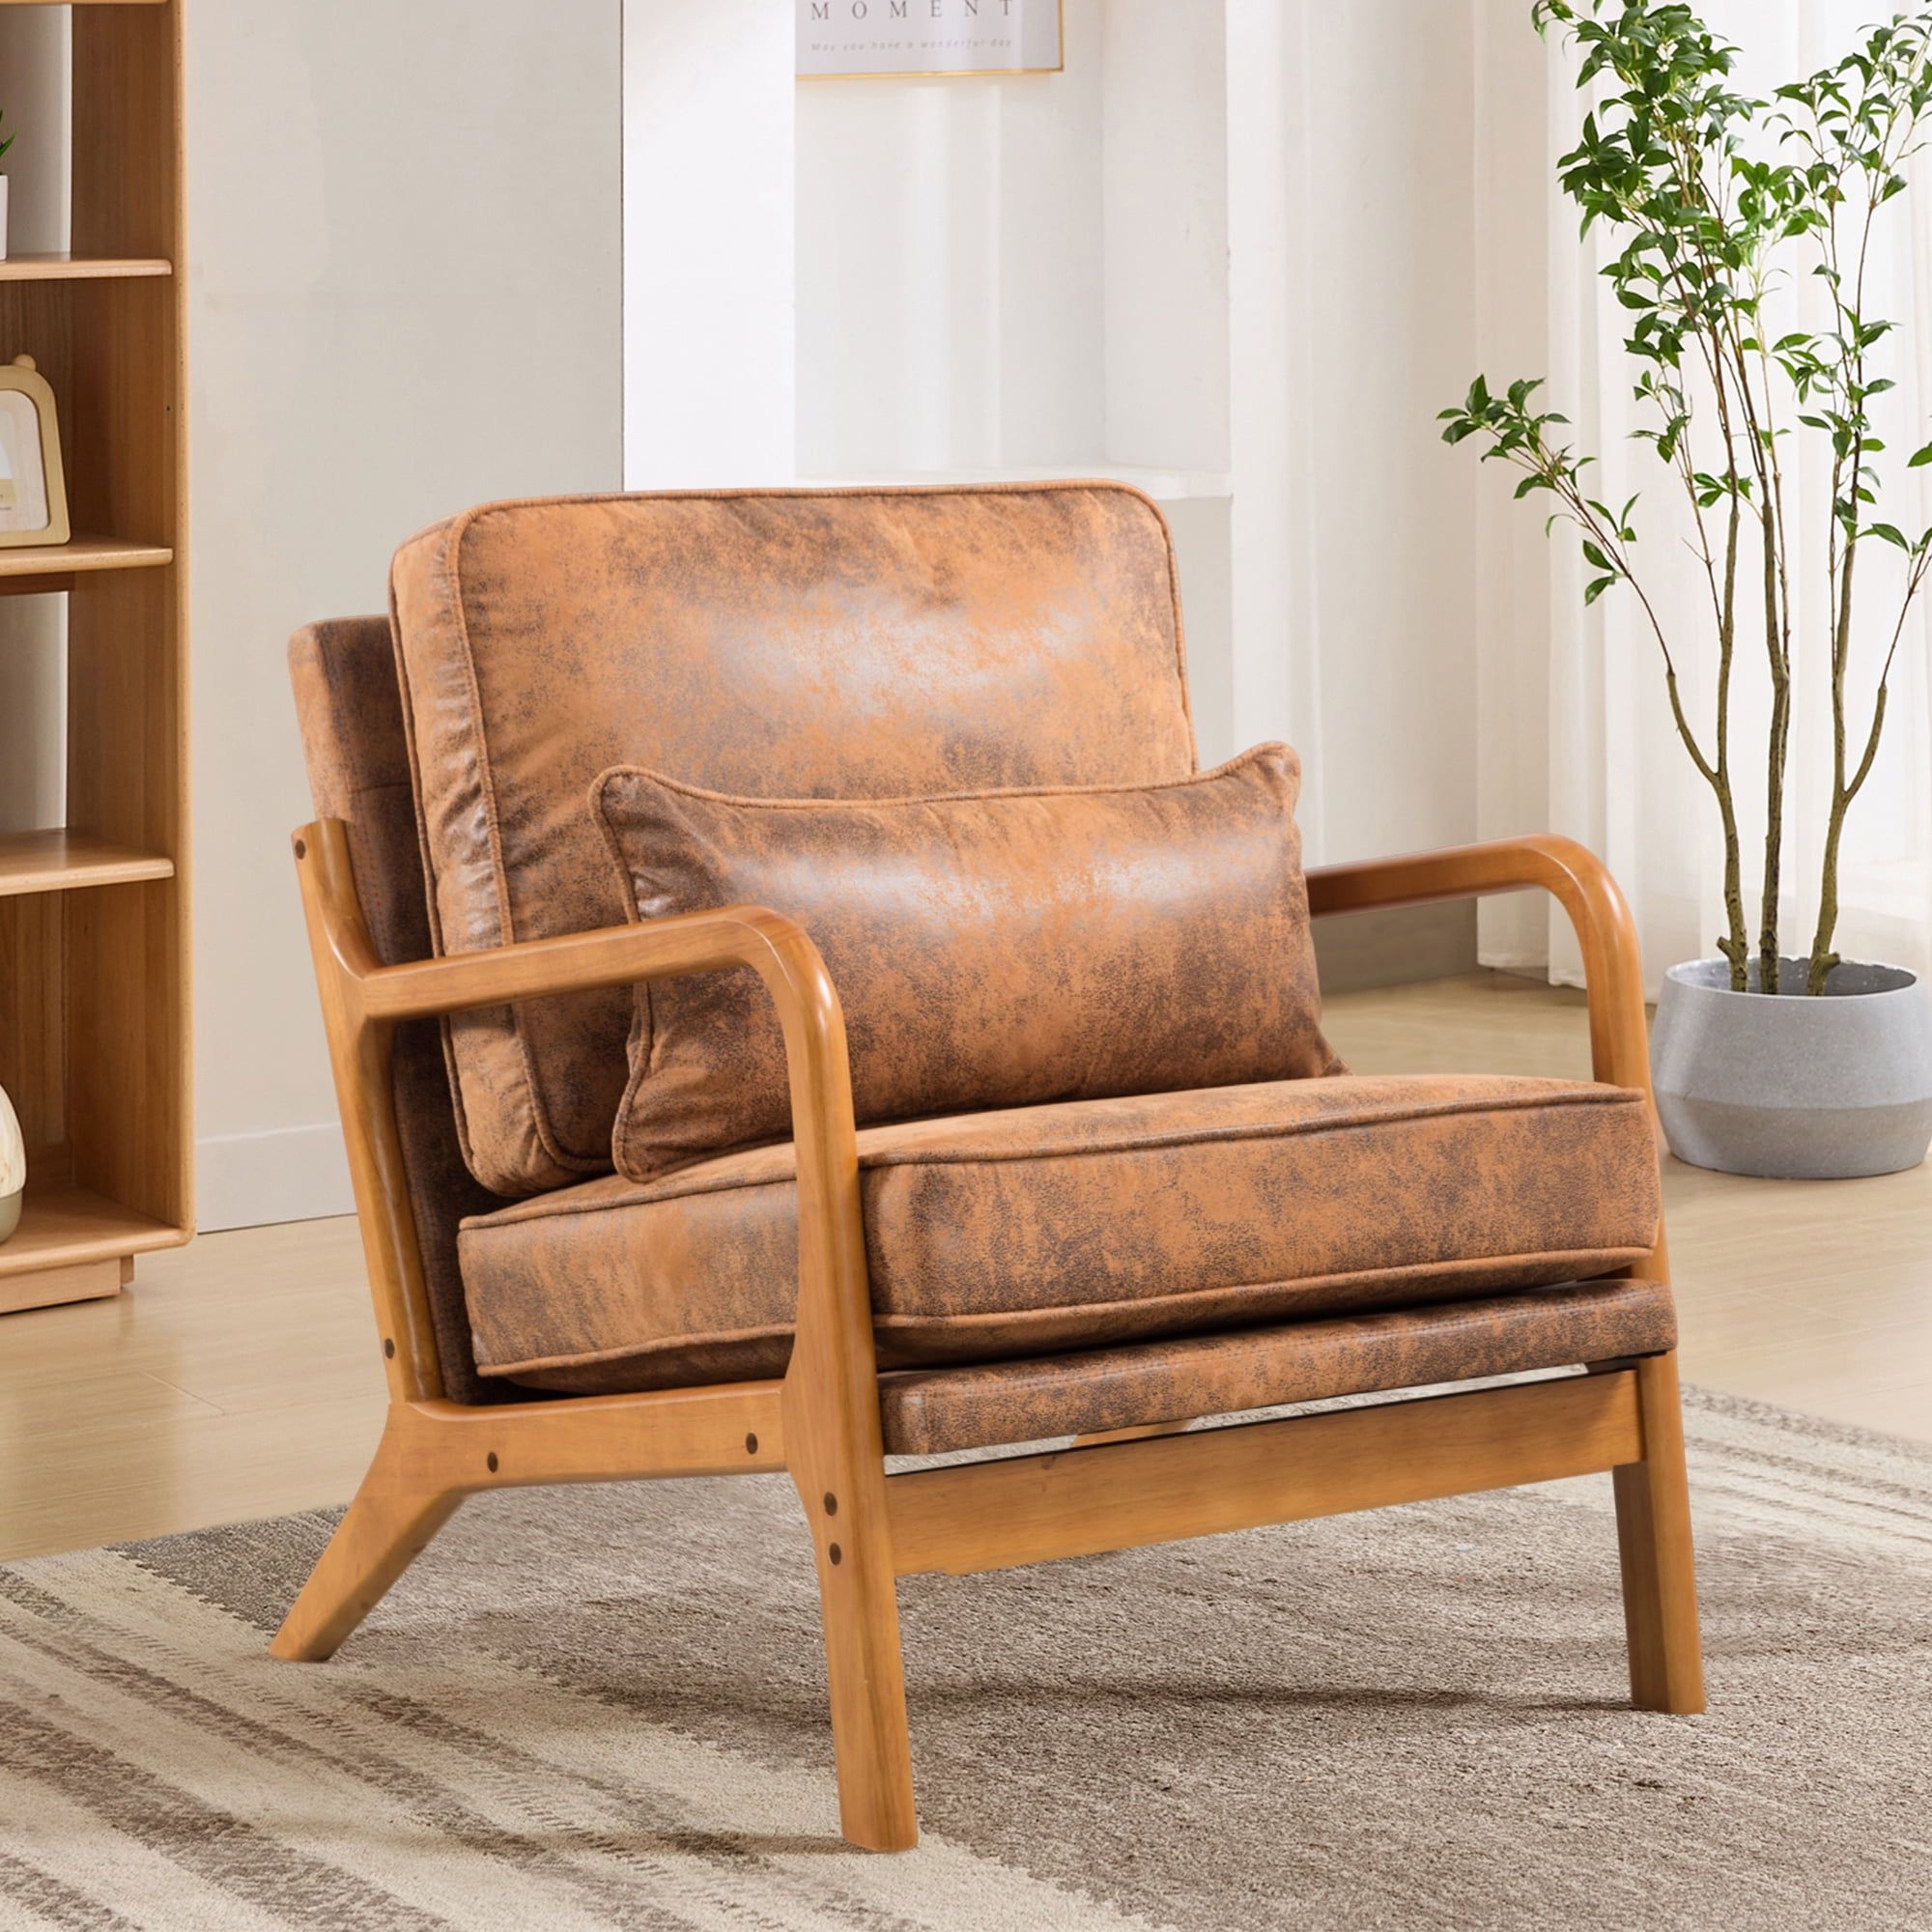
94	1047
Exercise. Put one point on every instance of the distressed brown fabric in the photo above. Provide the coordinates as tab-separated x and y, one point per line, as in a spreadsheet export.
928	1412
1085	1223
789	644
989	948
344	674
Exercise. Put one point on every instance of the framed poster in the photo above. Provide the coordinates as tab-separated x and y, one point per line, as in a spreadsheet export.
33	490
878	39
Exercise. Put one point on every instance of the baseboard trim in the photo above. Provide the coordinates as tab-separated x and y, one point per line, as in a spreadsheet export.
1396	945
287	1174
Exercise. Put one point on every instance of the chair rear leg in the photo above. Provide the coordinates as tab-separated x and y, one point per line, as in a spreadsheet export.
388	1527
1666	1665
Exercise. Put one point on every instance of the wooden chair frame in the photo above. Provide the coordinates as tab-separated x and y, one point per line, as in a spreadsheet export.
820	1422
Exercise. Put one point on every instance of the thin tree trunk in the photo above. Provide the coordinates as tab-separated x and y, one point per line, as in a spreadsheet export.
1779	737
1822	958
1736	948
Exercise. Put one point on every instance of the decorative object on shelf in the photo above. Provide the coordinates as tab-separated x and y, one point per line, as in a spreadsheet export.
1719	205
13	1167
1795	1088
5	142
33	487
878	40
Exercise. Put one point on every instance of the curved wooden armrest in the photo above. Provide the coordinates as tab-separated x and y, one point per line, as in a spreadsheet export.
777	948
1581	883
364	1001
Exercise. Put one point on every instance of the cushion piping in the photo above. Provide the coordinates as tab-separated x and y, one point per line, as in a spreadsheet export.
603	782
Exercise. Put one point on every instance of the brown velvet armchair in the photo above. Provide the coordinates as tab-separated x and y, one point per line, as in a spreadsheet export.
553	1325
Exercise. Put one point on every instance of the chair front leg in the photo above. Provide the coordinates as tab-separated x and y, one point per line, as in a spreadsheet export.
842	1488
833	1445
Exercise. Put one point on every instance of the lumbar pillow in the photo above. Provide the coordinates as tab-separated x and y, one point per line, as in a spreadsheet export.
997	948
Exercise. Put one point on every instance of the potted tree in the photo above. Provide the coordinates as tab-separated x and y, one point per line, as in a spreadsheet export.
1765	1062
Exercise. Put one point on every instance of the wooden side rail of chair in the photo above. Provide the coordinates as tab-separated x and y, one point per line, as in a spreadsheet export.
829	1401
822	1421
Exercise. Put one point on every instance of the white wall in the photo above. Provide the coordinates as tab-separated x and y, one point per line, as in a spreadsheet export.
404	243
1513	224
1382	253
1273	680
948	266
1164	192
707	168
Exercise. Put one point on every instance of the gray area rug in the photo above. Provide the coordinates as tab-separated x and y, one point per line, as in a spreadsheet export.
605	1707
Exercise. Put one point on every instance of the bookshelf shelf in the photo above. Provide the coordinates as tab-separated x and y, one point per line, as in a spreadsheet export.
81	553
70	267
65	862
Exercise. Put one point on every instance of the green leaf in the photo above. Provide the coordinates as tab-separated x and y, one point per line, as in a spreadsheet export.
1921	458
1596	588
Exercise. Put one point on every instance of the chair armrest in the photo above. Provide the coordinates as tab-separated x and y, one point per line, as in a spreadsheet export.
613	955
1580	881
364	1001
776	948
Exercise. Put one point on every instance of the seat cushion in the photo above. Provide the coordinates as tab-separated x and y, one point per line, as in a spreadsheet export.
1080	1224
997	948
869	643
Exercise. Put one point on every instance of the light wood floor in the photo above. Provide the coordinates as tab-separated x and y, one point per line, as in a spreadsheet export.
237	1377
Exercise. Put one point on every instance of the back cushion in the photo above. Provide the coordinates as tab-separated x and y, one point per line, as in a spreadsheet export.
872	643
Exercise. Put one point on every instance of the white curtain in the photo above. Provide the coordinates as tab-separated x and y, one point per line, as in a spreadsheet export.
1576	731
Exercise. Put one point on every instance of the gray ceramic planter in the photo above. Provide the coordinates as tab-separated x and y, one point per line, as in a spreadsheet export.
1793	1086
